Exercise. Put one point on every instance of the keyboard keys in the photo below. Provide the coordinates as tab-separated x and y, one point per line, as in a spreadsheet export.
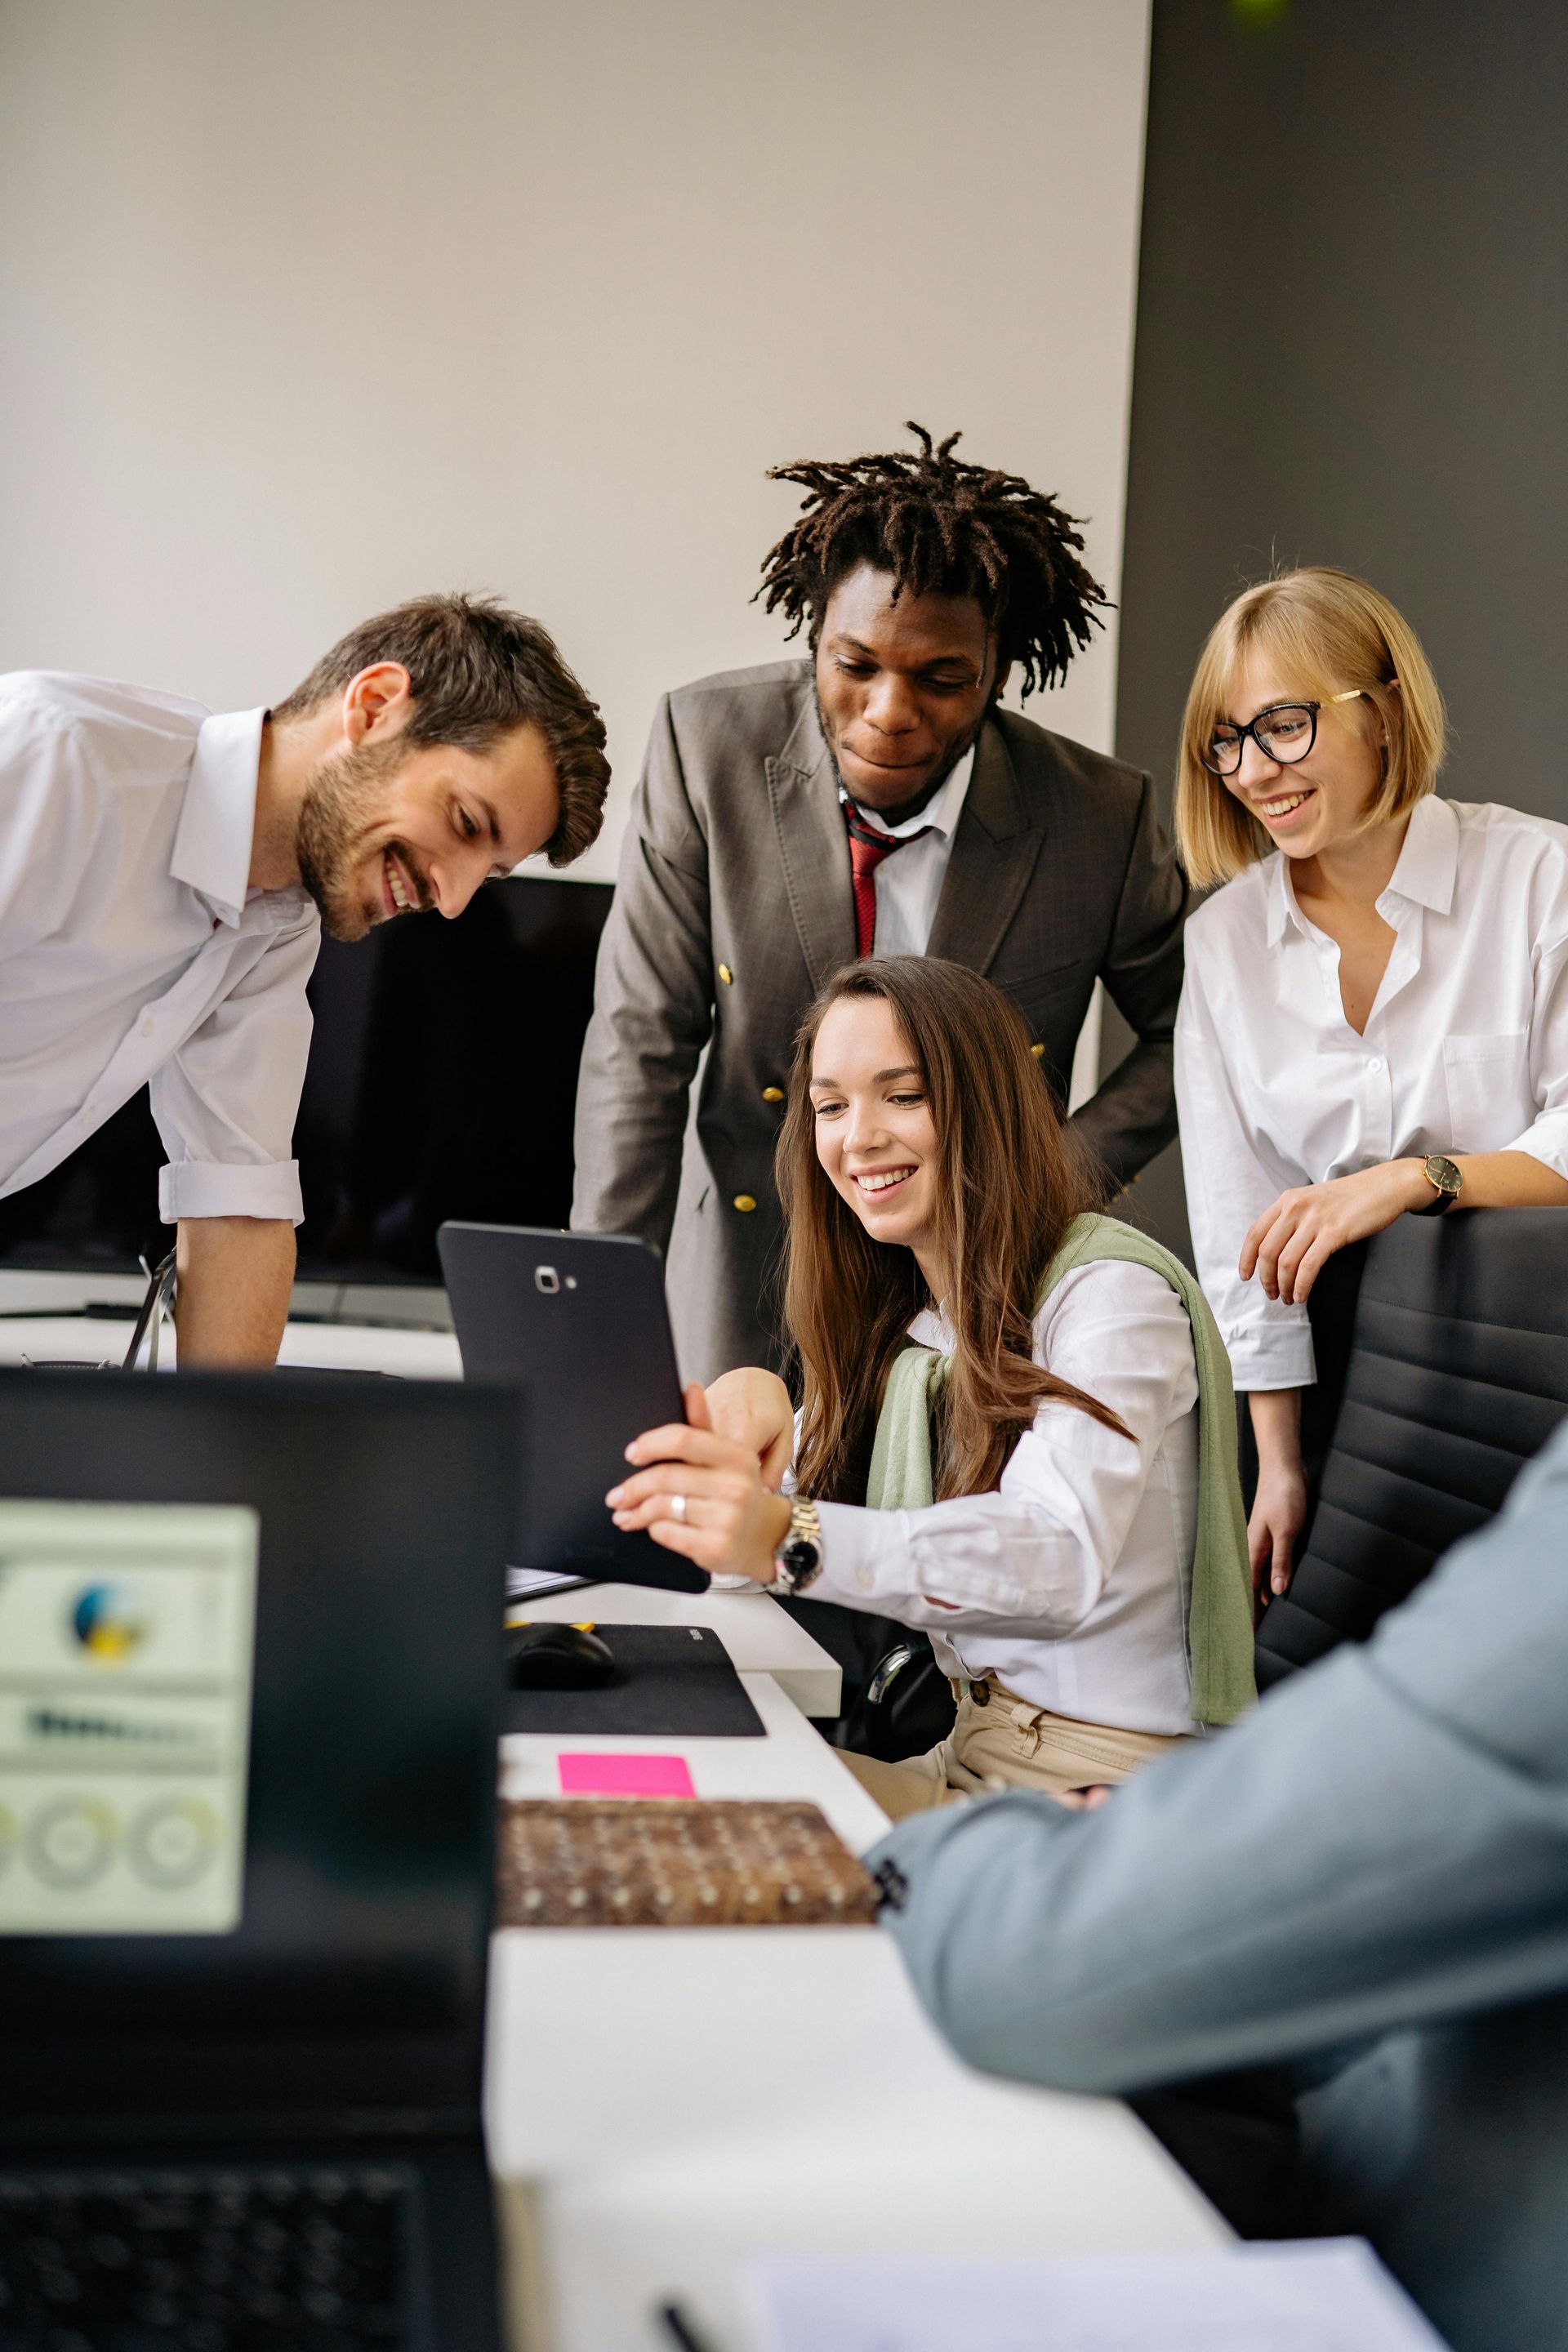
275	2261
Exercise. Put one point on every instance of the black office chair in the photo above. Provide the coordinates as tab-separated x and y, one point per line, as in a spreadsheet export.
1458	1373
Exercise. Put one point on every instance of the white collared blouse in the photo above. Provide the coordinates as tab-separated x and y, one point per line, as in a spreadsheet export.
1465	1048
1071	1583
132	951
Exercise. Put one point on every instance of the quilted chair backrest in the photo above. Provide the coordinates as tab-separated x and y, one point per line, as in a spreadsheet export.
1458	1373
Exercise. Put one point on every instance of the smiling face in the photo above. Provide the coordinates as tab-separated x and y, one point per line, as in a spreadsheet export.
1311	804
876	1141
384	829
902	688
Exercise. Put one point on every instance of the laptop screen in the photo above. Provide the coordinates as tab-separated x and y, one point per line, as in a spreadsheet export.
250	1679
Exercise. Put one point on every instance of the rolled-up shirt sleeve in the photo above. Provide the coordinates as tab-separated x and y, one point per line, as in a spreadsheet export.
1033	1558
1546	1137
226	1103
1229	1184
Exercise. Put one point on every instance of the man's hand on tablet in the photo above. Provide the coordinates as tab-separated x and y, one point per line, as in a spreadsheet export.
753	1408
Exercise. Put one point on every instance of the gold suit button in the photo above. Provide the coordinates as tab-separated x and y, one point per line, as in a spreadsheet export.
725	974
772	1094
745	1203
1036	1051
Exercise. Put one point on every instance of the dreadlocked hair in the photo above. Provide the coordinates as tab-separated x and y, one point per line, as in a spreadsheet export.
939	524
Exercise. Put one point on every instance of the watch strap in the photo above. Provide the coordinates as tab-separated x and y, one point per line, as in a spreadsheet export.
798	1560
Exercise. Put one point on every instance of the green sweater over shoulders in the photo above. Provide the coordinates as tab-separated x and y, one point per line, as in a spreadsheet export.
1219	1614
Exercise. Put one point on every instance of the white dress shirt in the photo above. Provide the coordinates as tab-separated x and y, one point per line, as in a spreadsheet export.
1465	1048
909	884
1070	1585
132	951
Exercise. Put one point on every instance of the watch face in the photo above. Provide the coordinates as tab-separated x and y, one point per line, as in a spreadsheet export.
1442	1172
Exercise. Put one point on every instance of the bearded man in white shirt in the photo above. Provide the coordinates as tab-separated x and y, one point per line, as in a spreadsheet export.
165	874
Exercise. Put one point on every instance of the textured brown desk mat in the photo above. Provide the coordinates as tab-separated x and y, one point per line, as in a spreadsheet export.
664	1862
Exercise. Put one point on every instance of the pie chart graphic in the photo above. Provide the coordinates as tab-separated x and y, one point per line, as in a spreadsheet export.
106	1624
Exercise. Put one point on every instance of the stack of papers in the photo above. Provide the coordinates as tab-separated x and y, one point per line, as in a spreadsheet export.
1319	2295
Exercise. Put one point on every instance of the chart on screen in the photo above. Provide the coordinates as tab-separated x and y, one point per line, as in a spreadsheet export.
126	1636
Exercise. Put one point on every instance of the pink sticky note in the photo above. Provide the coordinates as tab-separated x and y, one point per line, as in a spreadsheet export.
623	1776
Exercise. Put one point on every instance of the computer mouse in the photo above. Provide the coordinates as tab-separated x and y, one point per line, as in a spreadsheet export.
557	1657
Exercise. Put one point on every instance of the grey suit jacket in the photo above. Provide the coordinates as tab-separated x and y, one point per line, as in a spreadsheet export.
1381	1849
733	907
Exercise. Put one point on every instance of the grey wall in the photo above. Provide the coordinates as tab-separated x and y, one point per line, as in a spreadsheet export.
1351	348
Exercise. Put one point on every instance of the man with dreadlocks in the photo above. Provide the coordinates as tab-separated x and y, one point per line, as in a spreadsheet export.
871	799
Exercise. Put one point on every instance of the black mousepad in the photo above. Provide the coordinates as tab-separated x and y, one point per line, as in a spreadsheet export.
676	1682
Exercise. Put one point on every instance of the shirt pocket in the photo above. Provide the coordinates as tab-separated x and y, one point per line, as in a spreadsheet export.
1488	1089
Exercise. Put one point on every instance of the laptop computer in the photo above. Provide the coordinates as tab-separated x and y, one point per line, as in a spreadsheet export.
577	1323
250	1677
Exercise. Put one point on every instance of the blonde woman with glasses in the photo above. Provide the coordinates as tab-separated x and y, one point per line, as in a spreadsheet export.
1375	1022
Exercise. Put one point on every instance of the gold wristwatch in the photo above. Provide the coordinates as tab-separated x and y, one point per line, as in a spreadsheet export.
798	1558
1447	1182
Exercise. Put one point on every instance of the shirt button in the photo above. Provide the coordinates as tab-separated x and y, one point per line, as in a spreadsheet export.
1375	1063
772	1094
745	1203
864	1579
726	975
147	1028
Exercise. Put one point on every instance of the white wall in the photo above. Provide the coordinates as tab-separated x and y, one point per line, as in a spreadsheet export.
309	305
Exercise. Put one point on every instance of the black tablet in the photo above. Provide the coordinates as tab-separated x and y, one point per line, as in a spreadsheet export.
578	1323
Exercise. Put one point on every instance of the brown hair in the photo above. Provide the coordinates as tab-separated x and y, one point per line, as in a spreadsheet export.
1010	1181
1327	632
477	671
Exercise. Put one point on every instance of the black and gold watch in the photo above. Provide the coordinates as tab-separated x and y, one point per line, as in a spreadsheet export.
798	1560
1447	1182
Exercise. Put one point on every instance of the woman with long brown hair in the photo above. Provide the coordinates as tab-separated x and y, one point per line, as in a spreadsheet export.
999	1439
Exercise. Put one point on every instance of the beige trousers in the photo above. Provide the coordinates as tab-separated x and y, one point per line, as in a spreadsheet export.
1007	1743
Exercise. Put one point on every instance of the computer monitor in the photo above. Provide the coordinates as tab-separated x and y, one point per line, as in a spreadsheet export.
350	1979
441	1083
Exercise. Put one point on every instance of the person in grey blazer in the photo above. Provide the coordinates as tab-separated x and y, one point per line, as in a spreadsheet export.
872	797
1378	1858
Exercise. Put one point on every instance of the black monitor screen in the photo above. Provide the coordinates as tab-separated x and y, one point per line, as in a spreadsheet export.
340	1964
441	1083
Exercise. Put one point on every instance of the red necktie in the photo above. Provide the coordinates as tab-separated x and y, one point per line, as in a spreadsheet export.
868	847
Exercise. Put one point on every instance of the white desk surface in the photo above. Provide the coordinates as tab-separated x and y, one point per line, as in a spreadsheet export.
674	2102
336	1347
681	2101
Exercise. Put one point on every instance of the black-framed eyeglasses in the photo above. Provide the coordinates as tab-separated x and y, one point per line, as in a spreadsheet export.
1284	734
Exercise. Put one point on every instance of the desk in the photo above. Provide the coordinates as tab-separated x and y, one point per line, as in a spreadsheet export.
678	2101
666	2104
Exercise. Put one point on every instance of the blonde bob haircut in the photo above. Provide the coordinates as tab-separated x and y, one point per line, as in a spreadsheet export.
1324	633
